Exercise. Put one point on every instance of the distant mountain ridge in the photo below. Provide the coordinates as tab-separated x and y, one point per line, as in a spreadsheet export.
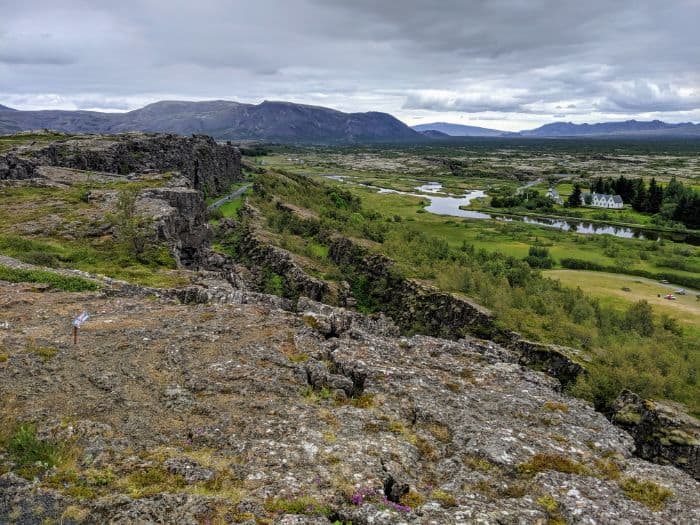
269	120
629	128
458	130
288	122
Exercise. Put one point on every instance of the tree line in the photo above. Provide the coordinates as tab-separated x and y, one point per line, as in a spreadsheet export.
675	201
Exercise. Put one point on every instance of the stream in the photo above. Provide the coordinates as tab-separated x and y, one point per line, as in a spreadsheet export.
450	205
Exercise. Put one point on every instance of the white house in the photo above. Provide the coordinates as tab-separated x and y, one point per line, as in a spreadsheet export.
553	195
602	200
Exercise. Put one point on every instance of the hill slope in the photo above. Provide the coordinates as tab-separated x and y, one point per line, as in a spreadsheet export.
276	121
627	128
458	130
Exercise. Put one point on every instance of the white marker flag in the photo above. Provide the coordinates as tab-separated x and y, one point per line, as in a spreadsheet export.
80	319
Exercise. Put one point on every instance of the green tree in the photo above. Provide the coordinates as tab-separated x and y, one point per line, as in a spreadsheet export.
574	200
639	318
655	197
132	229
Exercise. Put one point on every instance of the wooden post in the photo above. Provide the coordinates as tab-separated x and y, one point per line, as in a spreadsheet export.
75	335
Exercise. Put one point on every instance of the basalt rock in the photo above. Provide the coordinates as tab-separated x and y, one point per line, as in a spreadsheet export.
662	433
265	259
210	167
13	167
181	220
414	307
551	359
243	413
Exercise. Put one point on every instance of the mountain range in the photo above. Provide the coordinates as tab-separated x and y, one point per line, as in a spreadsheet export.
269	120
628	128
287	122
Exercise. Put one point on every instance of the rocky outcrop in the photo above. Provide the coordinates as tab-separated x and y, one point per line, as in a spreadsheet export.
13	167
662	433
180	218
413	306
265	260
210	167
233	413
557	361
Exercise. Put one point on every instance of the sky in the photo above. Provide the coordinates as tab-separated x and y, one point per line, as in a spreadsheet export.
504	64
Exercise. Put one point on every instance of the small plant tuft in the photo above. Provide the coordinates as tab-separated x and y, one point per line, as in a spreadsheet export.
651	494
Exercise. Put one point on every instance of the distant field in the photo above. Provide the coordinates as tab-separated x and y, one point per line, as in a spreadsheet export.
609	287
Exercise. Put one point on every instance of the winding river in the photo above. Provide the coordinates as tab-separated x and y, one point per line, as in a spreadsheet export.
450	205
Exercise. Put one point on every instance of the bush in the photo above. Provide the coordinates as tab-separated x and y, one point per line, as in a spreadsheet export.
538	257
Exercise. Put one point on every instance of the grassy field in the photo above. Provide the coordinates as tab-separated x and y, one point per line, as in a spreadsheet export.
62	227
622	290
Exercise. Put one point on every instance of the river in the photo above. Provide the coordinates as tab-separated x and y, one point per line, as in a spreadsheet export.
451	205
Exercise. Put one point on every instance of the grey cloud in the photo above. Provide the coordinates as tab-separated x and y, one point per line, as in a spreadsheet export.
535	58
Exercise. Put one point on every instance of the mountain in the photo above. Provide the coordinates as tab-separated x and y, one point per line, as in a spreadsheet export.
630	128
458	130
434	134
270	120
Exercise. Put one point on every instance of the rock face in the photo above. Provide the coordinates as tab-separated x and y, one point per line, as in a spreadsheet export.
225	413
210	167
413	306
181	220
13	167
265	259
661	433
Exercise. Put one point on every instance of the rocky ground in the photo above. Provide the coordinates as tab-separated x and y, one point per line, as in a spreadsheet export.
214	403
220	413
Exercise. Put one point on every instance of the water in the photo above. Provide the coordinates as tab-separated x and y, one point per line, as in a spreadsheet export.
449	205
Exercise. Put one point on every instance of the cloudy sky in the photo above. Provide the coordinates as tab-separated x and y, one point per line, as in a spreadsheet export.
507	64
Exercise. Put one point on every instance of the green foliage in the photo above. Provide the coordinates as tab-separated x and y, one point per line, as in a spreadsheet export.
31	454
653	355
60	282
130	228
97	256
539	257
273	283
574	200
640	318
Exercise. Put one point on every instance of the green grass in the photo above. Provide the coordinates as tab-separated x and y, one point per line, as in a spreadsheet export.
9	141
31	454
60	282
230	209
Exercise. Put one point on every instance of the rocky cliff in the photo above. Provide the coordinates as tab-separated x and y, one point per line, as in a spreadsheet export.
209	166
661	432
